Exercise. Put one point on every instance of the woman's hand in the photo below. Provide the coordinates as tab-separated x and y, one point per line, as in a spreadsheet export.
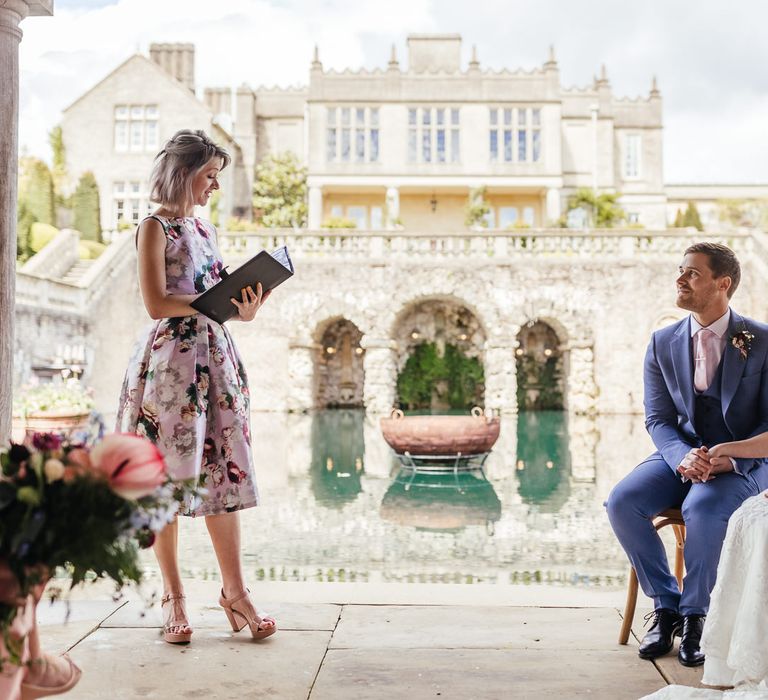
717	451
251	302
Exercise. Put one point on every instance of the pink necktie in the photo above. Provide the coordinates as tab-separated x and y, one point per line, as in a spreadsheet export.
706	359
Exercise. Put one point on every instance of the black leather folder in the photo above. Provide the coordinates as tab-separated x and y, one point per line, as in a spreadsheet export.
270	270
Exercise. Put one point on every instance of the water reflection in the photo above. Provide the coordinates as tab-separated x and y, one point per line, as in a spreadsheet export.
543	461
443	502
334	508
338	451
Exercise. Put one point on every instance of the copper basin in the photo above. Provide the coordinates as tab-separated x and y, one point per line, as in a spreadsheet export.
440	435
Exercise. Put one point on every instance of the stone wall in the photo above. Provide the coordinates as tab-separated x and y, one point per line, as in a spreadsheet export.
603	309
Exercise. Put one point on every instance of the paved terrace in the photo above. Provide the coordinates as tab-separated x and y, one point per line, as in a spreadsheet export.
336	643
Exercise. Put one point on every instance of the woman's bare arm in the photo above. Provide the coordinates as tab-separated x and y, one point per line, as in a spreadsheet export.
151	252
756	446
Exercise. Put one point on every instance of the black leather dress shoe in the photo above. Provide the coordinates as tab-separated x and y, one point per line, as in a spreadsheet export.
689	653
660	637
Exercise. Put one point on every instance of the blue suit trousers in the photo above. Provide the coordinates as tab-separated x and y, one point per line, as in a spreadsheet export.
653	487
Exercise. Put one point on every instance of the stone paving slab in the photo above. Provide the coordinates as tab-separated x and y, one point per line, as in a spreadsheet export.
415	627
674	672
126	664
61	611
289	616
484	674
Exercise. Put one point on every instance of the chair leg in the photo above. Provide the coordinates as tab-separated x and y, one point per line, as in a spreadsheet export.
679	553
629	608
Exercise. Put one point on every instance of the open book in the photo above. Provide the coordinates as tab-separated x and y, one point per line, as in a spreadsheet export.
270	270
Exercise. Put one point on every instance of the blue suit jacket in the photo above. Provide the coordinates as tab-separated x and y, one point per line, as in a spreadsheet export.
669	392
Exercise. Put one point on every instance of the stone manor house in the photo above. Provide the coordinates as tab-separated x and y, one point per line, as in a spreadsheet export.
397	150
392	147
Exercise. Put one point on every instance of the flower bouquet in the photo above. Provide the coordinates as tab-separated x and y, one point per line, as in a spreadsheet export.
85	508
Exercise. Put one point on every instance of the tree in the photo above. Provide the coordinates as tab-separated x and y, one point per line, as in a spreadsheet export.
24	221
280	192
477	208
679	219
36	189
692	218
86	208
59	169
602	210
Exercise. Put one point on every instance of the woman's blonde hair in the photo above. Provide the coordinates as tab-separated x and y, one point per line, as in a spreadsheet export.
182	157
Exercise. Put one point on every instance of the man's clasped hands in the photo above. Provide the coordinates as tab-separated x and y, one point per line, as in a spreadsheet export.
701	464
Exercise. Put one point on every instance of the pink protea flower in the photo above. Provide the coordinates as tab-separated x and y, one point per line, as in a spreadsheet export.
132	464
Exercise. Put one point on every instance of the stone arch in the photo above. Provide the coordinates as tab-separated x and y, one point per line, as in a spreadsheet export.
574	329
304	344
452	326
338	362
541	361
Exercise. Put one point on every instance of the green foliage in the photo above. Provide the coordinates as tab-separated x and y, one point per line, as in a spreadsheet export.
40	235
602	210
545	377
339	222
280	192
679	219
477	208
24	222
59	170
215	202
752	213
428	378
235	224
90	250
36	189
692	218
86	208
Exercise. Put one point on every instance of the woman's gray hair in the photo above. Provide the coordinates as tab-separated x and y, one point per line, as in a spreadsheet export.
182	157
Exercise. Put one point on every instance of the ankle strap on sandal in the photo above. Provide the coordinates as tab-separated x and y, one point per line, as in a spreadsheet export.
168	597
228	602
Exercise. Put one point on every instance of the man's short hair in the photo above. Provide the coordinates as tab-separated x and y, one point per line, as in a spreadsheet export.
722	262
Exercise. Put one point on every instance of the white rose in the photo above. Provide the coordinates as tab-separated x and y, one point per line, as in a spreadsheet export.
53	469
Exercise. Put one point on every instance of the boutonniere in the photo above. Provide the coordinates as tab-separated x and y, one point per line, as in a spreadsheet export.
742	341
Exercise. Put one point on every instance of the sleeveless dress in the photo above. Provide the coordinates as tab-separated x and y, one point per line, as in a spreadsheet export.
186	389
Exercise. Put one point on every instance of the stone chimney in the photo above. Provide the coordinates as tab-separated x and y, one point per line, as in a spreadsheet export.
178	60
218	100
431	52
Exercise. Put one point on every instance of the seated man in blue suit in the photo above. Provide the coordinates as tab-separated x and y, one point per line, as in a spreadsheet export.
706	382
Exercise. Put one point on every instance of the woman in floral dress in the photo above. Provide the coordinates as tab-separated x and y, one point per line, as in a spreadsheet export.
185	388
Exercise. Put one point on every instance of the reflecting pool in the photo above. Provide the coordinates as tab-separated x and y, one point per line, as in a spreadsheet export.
338	506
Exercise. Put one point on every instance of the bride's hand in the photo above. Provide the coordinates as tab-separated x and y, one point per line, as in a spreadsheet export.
717	451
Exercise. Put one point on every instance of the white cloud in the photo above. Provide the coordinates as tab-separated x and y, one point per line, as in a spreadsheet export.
709	61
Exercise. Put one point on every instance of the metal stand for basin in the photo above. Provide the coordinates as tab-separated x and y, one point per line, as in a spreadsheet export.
442	464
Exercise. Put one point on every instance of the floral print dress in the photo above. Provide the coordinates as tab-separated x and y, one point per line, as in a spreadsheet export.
186	389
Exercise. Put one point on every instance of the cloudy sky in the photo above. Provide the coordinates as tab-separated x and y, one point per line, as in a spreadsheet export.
711	58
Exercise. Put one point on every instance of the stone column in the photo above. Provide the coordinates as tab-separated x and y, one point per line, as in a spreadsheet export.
501	374
581	395
301	375
380	374
553	206
11	14
393	207
315	213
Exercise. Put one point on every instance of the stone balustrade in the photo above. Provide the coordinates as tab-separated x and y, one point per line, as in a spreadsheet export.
55	259
485	244
37	287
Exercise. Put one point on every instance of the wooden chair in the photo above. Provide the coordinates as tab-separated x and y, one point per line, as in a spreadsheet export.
672	517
